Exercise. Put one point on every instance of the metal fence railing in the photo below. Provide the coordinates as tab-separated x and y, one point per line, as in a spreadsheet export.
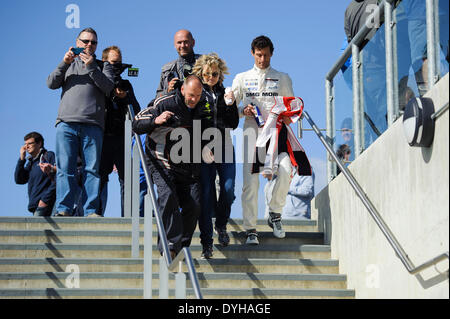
355	51
384	41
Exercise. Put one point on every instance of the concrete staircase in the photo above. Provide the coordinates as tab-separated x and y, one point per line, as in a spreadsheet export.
39	258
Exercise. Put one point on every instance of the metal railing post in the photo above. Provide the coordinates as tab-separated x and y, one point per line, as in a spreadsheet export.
357	88
391	78
127	166
432	51
180	283
163	279
135	203
148	247
331	132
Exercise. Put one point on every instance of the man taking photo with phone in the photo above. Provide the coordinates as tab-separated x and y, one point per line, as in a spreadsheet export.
80	122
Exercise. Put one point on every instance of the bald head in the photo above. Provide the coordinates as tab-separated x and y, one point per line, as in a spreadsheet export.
192	91
184	42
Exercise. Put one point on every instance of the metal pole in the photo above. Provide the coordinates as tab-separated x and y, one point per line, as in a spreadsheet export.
373	211
163	279
135	203
128	172
331	133
437	39
357	115
192	273
359	191
148	247
300	128
431	43
395	66
180	283
390	81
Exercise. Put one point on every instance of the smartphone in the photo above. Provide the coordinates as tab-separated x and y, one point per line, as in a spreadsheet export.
77	51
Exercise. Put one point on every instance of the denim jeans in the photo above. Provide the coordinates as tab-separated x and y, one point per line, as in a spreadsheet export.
222	206
73	139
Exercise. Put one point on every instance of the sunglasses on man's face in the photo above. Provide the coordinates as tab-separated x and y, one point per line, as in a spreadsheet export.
87	41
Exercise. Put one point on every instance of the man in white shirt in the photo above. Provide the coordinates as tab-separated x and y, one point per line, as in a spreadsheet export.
258	86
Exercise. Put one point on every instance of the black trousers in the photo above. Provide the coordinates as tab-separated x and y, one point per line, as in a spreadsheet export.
113	151
178	203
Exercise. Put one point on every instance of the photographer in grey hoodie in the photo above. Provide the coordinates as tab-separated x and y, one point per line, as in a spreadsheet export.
80	122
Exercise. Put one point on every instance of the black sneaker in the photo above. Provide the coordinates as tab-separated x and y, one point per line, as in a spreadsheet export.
224	239
207	252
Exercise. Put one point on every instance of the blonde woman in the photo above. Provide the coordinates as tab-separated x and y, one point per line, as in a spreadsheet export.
222	118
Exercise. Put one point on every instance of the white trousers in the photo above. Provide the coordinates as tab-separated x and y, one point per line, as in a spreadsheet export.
275	190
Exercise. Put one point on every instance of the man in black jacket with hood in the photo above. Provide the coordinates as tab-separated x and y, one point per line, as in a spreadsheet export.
169	124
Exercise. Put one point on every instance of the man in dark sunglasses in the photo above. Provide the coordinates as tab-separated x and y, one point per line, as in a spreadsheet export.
80	122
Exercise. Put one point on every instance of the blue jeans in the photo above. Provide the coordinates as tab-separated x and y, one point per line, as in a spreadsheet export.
73	139
222	206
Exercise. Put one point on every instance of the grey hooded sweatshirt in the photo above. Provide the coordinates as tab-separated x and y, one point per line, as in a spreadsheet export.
83	91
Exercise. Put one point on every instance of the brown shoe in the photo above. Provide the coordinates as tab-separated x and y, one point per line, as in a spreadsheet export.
62	214
94	215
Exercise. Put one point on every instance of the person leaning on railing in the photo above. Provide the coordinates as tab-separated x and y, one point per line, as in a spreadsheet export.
174	173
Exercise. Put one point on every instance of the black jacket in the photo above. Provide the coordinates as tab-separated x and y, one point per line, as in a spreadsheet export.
215	113
116	109
158	144
40	185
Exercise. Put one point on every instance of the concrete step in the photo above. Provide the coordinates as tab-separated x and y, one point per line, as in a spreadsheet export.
115	224
243	265
51	250
208	293
124	237
89	280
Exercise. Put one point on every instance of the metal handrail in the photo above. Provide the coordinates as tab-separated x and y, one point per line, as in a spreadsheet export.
358	40
373	211
184	254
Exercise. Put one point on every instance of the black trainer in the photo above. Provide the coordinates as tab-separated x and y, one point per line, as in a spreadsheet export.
207	252
224	239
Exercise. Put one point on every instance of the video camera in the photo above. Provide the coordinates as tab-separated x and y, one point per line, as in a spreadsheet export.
187	70
118	69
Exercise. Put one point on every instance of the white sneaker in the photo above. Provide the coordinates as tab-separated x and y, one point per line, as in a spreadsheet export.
274	221
252	237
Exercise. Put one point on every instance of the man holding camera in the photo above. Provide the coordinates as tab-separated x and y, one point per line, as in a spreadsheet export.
168	123
80	122
113	150
177	70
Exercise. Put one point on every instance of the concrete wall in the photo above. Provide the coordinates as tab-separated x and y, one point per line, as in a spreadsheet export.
409	186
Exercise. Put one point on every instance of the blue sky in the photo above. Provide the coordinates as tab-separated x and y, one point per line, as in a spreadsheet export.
307	36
